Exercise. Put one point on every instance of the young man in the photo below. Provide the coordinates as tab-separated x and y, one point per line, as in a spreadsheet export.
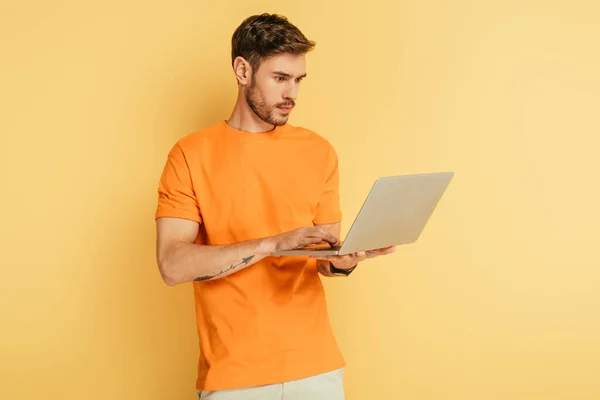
229	196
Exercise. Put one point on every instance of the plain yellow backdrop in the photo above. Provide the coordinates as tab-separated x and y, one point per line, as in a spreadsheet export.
499	299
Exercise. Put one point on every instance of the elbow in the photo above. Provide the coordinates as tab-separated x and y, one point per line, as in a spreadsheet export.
167	273
171	281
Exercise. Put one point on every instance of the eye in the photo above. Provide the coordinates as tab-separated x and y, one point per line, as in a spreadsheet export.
298	80
279	78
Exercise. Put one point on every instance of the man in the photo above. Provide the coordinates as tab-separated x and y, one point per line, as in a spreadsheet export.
229	196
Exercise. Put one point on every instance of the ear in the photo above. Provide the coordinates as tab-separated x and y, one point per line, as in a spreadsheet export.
242	70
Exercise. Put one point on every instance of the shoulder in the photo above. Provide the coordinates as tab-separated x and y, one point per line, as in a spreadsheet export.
203	136
318	140
196	141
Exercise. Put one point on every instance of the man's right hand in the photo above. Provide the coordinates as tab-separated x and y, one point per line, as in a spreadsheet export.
301	237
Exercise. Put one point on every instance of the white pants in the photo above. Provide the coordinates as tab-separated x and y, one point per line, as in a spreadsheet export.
327	386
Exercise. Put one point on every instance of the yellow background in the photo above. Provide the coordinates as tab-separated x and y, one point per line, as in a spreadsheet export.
499	299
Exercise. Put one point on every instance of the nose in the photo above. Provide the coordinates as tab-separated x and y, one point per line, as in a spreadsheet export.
291	91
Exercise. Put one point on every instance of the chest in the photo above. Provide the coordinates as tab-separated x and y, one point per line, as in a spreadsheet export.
244	194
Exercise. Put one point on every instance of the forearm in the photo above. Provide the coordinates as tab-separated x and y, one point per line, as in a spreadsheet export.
186	262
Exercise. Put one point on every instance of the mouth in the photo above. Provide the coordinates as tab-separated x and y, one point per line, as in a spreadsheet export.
286	108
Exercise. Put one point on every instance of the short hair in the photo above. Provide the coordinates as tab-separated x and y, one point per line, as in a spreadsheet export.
260	37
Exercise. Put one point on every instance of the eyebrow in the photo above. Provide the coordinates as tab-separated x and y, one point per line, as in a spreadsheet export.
287	75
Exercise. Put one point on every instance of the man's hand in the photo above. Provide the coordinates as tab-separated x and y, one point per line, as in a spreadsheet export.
348	261
301	237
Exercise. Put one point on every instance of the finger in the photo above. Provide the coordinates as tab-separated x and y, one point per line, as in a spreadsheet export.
381	252
312	240
345	259
323	235
326	235
325	258
329	241
390	249
330	238
358	258
352	257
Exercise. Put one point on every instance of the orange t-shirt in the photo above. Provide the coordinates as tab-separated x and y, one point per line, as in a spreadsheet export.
267	323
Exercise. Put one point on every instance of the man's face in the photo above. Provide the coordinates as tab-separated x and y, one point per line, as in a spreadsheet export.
274	87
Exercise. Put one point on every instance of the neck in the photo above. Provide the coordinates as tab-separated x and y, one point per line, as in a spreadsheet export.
244	119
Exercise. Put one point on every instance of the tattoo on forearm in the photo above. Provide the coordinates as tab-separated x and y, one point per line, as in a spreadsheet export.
226	269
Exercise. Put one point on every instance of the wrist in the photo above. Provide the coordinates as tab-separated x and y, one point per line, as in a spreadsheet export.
341	271
266	246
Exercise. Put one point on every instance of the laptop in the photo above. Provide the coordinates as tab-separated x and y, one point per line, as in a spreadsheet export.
394	213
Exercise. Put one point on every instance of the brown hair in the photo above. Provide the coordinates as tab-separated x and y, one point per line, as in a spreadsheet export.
262	36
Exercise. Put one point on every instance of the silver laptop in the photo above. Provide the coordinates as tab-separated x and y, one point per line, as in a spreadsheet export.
394	213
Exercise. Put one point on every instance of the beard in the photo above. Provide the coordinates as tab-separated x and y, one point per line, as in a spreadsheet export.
265	112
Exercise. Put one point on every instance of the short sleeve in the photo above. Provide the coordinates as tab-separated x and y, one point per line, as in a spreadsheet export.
176	196
328	208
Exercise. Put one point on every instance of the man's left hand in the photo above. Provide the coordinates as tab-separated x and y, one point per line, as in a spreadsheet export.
348	261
